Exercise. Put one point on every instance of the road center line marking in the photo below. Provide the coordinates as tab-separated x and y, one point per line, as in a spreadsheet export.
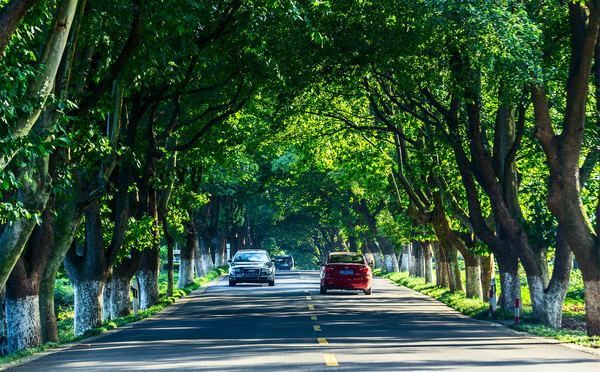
313	317
317	328
330	360
322	341
311	307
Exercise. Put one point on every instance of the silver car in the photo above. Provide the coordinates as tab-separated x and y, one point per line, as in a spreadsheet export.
251	266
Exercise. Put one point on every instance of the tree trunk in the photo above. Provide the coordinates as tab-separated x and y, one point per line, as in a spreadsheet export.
106	303
120	302
186	255
376	252
441	266
150	267
487	273
352	244
170	243
122	275
389	256
549	298
456	283
405	258
199	266
510	281
427	255
65	230
418	260
23	320
366	252
68	220
88	305
36	186
205	252
3	325
88	272
23	286
592	306
148	276
220	248
449	268
473	276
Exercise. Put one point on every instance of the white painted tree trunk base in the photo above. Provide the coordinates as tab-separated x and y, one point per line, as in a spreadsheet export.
186	273
473	282
23	323
220	259
208	263
199	266
370	258
149	295
120	303
88	305
106	302
405	258
429	277
378	260
547	304
510	286
391	263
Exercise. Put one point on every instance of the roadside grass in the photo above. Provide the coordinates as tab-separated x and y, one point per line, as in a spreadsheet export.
65	325
573	311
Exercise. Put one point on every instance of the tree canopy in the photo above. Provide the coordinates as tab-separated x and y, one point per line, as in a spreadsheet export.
299	127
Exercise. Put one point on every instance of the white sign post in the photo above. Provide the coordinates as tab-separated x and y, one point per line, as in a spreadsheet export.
493	302
135	291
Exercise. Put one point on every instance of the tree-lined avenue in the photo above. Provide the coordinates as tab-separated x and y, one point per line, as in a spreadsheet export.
251	327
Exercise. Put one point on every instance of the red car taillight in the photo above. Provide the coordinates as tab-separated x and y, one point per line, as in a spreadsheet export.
328	269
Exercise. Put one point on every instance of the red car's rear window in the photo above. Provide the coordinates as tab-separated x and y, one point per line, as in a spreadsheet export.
342	258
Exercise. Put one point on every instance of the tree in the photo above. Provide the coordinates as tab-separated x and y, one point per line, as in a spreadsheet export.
563	147
35	186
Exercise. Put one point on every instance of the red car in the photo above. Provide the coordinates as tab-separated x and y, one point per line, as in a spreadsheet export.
346	270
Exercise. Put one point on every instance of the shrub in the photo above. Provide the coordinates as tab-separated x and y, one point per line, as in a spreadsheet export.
576	291
64	297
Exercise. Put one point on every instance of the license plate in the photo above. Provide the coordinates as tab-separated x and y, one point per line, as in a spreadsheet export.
252	274
346	272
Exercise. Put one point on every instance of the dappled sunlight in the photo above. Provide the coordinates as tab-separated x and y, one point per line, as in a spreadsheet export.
291	327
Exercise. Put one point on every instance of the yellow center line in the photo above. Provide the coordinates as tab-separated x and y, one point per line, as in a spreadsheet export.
317	328
308	298
330	360
322	341
313	317
311	307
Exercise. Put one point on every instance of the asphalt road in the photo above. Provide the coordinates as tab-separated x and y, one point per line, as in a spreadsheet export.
291	327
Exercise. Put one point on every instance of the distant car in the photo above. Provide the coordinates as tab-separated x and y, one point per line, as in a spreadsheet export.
251	266
346	270
284	262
